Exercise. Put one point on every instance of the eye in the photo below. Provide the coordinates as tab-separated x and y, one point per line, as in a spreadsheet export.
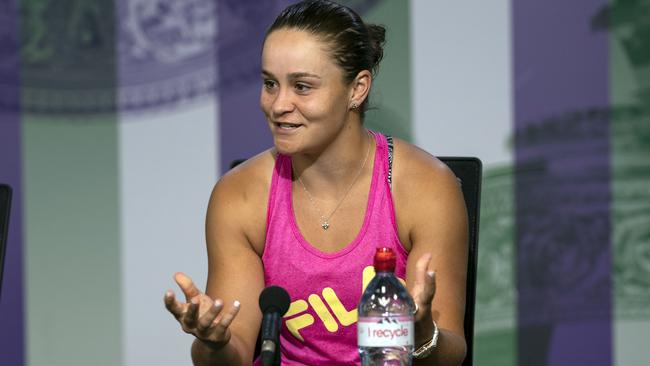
302	88
269	84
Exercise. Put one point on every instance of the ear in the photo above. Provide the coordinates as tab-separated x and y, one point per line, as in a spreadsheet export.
359	88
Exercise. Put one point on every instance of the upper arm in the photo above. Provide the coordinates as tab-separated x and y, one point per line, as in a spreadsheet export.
436	223
235	270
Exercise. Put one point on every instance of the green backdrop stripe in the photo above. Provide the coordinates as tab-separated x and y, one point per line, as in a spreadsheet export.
390	101
70	183
72	261
629	57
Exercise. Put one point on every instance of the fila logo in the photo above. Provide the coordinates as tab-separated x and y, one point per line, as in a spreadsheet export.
296	318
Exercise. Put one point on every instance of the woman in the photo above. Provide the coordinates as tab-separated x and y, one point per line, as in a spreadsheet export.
308	214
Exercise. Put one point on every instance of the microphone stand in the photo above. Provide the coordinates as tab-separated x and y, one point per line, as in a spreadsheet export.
269	352
274	303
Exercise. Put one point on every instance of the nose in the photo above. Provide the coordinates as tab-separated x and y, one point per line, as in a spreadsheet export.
283	102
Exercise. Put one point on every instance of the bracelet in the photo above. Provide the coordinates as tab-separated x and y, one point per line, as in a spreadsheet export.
425	350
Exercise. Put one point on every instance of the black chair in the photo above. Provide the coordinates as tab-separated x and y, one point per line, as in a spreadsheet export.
469	172
5	203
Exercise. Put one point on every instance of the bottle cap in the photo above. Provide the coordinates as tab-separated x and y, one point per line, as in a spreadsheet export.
384	260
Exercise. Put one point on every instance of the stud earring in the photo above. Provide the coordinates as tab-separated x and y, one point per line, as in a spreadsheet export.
354	106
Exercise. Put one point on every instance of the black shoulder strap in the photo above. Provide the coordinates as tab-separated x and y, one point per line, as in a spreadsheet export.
389	139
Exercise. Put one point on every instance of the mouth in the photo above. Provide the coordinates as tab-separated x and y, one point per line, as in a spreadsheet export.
287	126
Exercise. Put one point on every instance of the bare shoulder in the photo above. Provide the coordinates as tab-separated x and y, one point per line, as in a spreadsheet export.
247	179
417	172
425	191
240	197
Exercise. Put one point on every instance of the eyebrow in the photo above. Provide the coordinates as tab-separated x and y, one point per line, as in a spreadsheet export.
294	75
297	75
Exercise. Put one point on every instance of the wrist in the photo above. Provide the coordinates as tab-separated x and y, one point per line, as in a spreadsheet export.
424	349
423	331
210	346
226	353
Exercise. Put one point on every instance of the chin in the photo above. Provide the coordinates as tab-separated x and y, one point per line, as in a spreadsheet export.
285	147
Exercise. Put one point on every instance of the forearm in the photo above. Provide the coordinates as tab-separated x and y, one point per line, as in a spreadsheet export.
450	351
230	354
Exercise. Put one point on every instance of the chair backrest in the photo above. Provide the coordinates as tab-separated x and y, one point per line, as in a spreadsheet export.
469	172
5	203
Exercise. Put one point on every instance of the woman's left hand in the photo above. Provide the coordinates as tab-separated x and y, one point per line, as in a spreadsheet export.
424	288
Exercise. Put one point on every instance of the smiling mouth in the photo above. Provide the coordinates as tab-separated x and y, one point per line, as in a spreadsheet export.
287	126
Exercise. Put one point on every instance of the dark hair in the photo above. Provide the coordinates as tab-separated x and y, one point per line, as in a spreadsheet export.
354	45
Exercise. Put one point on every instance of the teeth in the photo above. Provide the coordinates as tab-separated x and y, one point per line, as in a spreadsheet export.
288	126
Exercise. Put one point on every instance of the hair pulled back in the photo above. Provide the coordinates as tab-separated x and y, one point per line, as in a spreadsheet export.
353	45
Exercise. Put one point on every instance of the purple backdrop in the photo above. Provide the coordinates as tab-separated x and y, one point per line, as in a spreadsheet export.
241	28
11	303
562	184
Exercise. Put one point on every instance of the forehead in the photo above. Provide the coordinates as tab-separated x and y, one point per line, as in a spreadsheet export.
291	50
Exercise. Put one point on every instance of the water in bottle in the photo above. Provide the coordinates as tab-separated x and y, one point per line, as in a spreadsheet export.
385	325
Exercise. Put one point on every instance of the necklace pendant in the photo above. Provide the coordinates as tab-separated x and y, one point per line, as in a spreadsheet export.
325	225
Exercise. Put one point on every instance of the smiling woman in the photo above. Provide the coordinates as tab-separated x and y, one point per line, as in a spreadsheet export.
308	213
305	96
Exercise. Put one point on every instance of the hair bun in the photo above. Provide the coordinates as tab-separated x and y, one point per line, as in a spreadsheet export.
377	35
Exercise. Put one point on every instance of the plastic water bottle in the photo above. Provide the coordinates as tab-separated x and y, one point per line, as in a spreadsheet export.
385	324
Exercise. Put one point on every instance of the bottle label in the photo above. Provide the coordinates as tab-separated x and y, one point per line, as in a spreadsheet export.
385	331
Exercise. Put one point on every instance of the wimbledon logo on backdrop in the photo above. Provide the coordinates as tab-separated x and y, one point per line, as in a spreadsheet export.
77	59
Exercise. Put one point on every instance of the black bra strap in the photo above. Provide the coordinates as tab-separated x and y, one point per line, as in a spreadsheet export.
389	139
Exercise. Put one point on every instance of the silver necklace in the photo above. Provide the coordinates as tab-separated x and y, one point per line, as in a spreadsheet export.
325	220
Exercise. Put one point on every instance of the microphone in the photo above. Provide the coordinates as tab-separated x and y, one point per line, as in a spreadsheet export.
274	303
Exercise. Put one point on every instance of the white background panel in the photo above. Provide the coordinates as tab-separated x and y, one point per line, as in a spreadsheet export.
168	168
462	78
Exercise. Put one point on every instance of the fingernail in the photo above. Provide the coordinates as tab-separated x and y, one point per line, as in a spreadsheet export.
431	274
169	293
236	304
194	301
218	303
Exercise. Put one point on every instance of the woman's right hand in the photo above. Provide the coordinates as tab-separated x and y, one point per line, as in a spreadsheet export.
200	315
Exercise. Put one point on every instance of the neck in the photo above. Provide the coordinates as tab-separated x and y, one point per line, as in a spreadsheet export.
330	172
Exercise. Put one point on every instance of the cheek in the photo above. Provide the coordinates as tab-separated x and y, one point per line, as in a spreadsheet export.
329	110
322	106
265	102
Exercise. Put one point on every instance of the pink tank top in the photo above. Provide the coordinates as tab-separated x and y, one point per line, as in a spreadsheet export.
325	288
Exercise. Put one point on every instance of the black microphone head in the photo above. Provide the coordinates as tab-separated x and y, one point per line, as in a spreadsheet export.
274	297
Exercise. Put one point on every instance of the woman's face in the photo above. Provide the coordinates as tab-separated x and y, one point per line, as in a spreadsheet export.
304	96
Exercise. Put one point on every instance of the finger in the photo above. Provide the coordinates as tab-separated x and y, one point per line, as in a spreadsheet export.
425	297
421	269
190	317
174	307
424	282
206	320
226	319
187	285
429	290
